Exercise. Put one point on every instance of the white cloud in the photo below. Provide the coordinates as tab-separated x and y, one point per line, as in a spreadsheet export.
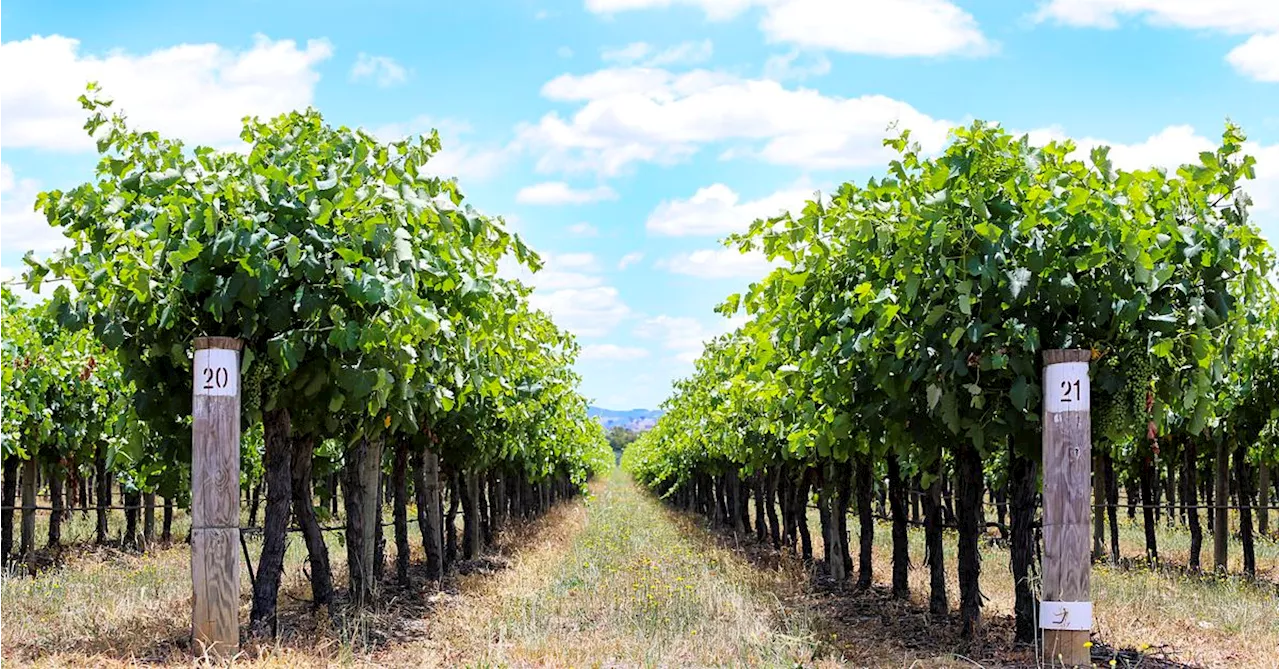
579	261
612	352
570	289
559	192
586	312
643	53
647	115
1234	16
1169	149
716	10
583	229
718	264
875	27
383	70
683	336
895	28
628	54
788	66
560	271
1258	57
12	279
716	210
23	229
1178	145
456	158
630	259
194	92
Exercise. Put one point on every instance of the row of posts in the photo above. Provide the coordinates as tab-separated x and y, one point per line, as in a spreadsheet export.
1066	612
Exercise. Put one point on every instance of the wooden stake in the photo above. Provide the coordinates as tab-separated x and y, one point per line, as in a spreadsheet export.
1066	613
215	499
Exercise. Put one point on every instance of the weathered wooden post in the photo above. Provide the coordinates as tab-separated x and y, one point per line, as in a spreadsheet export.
215	499
1066	613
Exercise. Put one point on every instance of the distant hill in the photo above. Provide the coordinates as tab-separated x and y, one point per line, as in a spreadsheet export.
632	419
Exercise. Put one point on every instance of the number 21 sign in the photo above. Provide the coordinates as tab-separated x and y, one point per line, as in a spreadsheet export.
1066	387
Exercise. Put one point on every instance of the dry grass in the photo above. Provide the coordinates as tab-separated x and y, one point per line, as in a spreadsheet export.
1218	622
620	581
616	580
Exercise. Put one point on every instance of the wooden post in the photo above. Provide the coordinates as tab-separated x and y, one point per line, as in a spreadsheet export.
1220	504
1264	498
28	546
1066	613
215	499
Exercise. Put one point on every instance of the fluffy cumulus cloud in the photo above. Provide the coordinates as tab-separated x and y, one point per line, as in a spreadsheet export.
1255	57
559	192
560	271
717	210
23	229
457	157
796	65
586	312
632	115
571	289
382	70
898	28
1258	57
1177	145
718	264
643	53
630	259
683	337
196	92
1238	16
612	352
1169	149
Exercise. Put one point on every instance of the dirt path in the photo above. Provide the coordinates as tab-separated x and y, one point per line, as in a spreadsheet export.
619	580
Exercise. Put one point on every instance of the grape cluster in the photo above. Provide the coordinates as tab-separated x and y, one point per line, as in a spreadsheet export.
1120	415
251	391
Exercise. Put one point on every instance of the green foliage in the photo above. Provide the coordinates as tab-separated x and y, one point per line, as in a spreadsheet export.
912	311
366	295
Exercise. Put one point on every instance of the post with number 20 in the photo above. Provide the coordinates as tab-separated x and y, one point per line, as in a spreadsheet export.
215	504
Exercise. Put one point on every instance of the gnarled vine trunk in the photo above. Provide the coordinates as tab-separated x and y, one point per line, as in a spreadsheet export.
1244	479
471	536
866	524
1023	474
933	556
102	479
59	510
304	510
400	510
361	473
968	509
9	498
898	511
277	455
426	467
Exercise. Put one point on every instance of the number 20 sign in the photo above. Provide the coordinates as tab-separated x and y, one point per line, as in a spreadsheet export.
217	372
1066	387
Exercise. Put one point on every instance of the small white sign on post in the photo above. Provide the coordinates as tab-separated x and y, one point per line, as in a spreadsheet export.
1066	387
217	372
1066	616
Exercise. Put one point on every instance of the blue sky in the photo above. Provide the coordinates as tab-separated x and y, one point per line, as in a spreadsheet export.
624	138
